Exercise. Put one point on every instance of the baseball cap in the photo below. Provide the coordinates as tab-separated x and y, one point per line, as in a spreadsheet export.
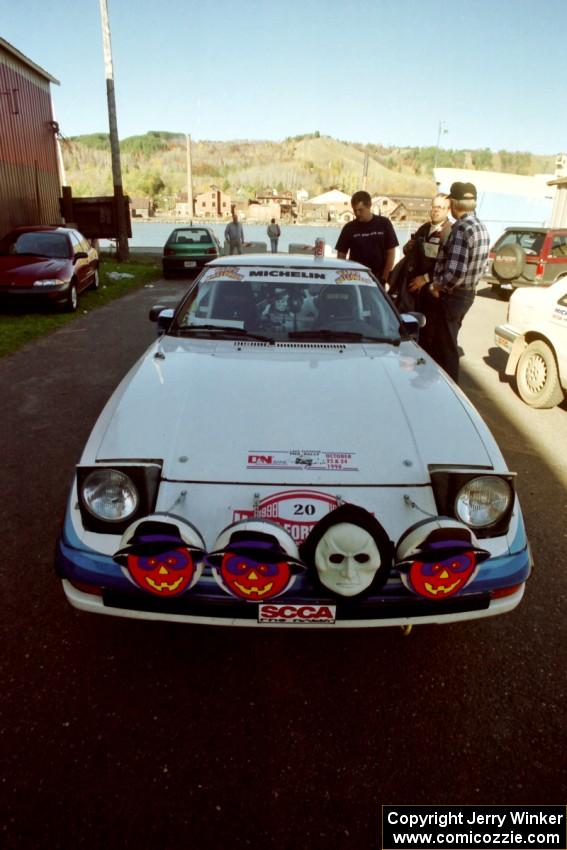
463	192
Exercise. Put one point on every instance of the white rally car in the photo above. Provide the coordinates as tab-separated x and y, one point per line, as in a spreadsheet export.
535	338
286	455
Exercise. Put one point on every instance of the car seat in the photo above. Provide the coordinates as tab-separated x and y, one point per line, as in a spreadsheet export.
337	303
235	301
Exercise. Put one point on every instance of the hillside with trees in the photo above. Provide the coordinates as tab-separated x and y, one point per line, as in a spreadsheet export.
154	165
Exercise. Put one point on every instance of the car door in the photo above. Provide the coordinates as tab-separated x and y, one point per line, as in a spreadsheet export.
558	329
556	263
81	265
88	248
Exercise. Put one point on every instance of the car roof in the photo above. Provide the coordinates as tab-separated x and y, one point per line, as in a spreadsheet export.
527	229
191	227
52	228
39	228
286	261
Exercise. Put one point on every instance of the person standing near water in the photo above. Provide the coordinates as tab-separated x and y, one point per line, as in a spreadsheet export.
274	232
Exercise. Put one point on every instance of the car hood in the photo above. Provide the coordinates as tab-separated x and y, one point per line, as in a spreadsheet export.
23	271
244	412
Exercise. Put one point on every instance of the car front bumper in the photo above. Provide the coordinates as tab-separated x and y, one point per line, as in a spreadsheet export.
93	582
510	340
232	613
511	285
34	294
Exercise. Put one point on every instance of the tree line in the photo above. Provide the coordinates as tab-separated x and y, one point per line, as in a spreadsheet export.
154	165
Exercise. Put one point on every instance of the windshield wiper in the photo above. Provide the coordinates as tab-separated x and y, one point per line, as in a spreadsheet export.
341	335
224	330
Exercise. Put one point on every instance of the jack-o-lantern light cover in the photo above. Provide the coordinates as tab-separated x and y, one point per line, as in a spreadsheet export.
438	558
162	554
255	560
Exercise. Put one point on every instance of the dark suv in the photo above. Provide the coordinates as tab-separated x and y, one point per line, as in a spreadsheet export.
527	256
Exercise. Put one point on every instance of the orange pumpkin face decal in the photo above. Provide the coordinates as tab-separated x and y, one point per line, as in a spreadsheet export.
254	560
162	555
440	579
438	558
166	573
254	580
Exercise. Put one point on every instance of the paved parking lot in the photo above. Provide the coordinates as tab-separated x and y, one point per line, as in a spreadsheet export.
131	734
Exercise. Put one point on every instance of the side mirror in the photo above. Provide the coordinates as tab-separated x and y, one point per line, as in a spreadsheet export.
412	323
80	255
162	315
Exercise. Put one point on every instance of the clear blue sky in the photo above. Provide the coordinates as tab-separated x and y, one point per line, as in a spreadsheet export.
381	71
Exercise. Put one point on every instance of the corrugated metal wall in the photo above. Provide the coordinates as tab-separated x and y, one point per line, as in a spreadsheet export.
29	179
559	213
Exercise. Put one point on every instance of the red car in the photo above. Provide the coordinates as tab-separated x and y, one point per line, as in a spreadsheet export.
526	256
48	265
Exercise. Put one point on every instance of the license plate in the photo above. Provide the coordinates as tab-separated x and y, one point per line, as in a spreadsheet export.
189	264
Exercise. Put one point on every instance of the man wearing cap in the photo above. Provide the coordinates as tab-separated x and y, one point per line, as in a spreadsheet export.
460	263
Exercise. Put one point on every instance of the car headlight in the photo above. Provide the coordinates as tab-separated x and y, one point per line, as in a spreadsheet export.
48	283
111	497
483	501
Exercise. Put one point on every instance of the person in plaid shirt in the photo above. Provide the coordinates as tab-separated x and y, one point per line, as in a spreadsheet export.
460	263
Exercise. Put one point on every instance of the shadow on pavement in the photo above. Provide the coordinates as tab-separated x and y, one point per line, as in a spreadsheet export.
489	292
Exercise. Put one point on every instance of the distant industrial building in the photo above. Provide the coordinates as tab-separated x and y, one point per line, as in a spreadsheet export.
141	208
212	204
337	204
559	211
30	182
505	200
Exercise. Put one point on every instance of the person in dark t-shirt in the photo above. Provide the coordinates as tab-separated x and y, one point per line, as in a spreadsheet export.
369	239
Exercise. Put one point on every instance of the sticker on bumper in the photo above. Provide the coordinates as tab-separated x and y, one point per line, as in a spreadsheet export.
319	614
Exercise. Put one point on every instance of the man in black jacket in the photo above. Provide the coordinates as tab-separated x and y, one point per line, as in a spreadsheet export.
420	254
424	247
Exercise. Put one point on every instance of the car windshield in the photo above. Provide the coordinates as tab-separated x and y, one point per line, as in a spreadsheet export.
288	303
37	243
195	236
530	241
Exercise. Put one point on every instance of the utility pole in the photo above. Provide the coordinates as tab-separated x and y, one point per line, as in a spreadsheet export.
442	129
122	251
189	179
365	172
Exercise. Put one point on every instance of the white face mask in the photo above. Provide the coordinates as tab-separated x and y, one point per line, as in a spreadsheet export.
347	559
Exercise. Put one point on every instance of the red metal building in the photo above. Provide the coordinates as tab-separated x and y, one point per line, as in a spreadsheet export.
30	184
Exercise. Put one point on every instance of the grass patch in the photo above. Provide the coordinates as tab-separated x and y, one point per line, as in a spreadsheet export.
18	327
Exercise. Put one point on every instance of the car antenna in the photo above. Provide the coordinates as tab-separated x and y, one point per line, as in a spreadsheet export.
159	355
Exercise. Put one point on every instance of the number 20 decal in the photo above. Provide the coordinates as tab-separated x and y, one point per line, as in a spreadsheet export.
303	510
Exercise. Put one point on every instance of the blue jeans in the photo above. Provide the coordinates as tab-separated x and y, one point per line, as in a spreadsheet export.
274	243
